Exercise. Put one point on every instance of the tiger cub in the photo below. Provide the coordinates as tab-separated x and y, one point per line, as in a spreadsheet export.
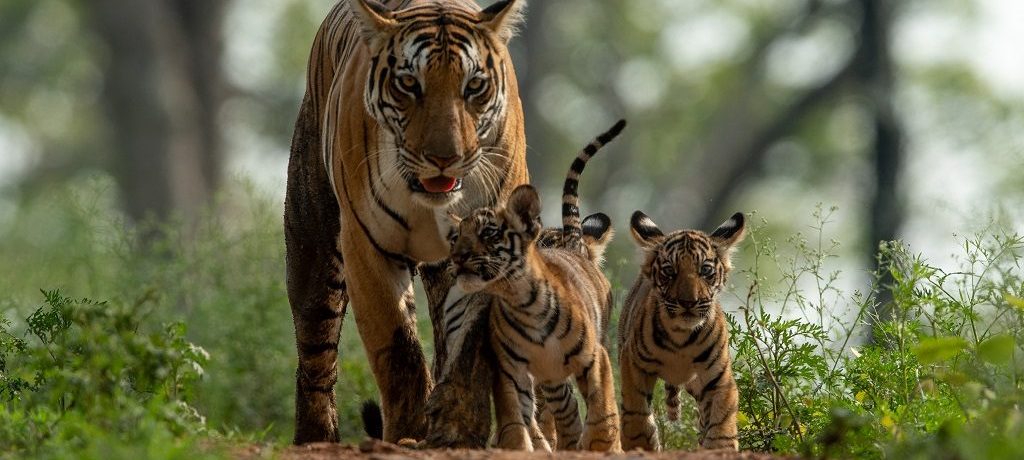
550	312
672	327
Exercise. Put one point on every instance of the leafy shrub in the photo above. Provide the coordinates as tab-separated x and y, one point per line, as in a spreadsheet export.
95	377
934	371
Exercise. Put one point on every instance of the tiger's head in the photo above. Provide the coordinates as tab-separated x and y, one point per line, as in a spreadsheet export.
687	269
439	83
494	243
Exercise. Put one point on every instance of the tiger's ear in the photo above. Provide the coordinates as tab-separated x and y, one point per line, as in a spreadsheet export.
504	18
597	233
728	235
645	231
523	209
376	19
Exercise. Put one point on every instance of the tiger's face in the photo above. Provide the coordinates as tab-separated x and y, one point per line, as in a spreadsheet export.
438	83
687	269
493	243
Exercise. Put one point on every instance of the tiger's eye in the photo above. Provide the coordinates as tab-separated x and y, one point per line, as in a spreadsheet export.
408	82
475	84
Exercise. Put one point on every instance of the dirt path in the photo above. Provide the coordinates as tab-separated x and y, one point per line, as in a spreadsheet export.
376	450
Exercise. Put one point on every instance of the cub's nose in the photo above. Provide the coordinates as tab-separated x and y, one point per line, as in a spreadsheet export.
458	258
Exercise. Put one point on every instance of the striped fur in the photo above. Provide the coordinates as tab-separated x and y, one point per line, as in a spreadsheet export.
547	323
411	111
672	328
558	408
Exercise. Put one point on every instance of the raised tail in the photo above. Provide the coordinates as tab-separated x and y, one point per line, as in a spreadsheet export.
572	234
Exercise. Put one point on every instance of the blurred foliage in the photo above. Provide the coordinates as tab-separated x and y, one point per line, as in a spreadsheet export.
225	278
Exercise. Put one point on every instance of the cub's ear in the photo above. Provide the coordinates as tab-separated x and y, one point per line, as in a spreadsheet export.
376	19
597	233
523	208
504	18
645	231
728	235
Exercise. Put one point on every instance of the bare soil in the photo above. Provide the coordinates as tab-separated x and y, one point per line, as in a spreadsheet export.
377	450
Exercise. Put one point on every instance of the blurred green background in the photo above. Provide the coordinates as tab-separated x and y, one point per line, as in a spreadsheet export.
169	121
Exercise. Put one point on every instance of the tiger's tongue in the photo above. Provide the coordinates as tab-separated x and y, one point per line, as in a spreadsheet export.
439	184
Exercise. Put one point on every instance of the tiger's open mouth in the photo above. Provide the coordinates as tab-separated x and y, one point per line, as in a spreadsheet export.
436	185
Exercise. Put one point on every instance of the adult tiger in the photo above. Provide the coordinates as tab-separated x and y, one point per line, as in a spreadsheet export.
411	111
672	327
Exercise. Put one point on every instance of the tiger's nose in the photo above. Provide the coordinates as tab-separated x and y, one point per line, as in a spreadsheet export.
442	161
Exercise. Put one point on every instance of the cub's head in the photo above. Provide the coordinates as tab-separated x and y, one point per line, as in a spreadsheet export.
493	243
687	268
440	79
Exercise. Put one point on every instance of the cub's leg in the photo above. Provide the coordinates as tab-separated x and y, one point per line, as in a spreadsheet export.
564	412
598	388
638	428
459	408
545	420
514	406
717	402
382	298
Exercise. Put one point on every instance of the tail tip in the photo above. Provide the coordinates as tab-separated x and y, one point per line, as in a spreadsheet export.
373	422
618	126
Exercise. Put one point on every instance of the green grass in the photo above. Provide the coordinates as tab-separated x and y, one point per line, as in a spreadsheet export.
187	347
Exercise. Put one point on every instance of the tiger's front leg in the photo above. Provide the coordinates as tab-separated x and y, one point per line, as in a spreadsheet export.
718	403
382	299
638	428
598	388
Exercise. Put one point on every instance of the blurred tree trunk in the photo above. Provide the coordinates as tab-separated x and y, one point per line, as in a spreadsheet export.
876	76
533	57
163	89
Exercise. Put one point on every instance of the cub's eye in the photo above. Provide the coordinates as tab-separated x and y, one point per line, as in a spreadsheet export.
707	270
488	234
475	85
667	274
408	83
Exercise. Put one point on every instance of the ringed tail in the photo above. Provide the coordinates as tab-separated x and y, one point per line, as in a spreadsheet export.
572	234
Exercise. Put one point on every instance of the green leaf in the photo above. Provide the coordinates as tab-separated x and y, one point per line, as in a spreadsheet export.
933	350
997	349
1014	301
